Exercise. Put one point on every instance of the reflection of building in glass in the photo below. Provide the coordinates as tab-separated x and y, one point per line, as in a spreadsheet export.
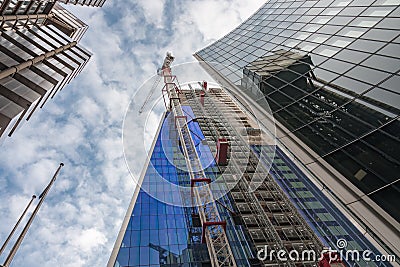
165	257
286	212
330	73
39	55
284	70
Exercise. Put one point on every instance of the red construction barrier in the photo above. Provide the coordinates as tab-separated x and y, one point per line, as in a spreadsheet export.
331	259
204	85
222	151
202	94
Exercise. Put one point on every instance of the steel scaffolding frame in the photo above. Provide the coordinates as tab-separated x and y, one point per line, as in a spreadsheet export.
262	218
213	227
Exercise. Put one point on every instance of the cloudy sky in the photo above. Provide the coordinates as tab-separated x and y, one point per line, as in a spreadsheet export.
82	127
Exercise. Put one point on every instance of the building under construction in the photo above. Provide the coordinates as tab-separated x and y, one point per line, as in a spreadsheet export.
234	192
329	70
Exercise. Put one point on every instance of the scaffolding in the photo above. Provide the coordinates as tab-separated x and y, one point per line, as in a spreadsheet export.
268	214
213	227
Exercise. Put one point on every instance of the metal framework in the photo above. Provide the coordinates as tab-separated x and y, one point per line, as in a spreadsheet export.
258	217
214	234
268	214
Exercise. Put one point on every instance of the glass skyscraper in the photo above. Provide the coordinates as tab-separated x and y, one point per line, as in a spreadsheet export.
329	70
286	210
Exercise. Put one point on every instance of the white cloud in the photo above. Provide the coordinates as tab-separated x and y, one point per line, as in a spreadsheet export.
215	18
153	10
88	239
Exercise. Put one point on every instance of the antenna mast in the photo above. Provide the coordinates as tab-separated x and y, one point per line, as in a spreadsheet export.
42	197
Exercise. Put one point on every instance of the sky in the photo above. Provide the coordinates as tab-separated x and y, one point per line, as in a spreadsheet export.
83	127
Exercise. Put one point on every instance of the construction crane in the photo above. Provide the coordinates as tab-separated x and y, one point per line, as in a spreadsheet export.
213	227
151	92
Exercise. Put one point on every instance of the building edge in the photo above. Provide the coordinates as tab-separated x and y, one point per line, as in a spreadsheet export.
118	242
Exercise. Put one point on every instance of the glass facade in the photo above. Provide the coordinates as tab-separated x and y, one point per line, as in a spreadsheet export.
329	70
157	232
160	234
325	219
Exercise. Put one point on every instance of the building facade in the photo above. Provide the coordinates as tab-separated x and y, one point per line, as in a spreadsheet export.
85	2
39	54
329	71
285	210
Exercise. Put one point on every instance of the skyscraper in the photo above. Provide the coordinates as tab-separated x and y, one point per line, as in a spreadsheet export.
39	55
84	2
330	73
210	154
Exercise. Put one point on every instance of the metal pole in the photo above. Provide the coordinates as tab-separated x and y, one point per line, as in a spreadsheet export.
24	17
16	225
28	224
